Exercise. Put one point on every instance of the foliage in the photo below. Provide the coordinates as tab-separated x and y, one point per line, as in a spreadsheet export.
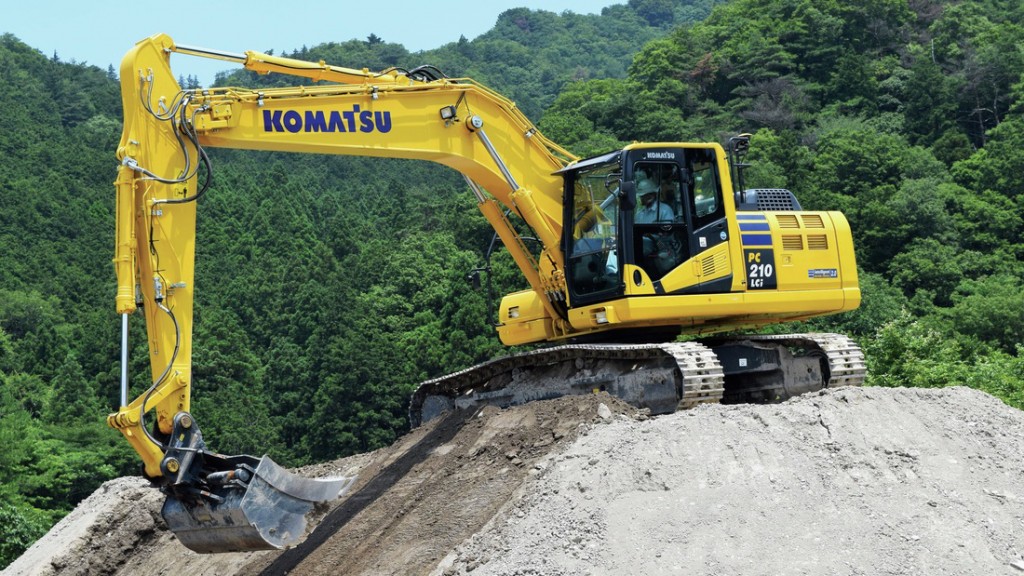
19	528
911	352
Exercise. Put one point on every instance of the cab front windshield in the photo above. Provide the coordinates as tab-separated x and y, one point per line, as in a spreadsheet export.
592	255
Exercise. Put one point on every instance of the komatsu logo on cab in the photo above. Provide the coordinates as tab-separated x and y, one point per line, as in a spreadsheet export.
661	156
354	120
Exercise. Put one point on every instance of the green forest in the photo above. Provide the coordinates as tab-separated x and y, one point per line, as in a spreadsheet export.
329	287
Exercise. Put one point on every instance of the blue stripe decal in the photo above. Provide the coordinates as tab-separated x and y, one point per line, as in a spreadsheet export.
754	227
756	239
760	217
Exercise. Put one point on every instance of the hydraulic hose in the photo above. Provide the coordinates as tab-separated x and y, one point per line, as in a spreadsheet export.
160	380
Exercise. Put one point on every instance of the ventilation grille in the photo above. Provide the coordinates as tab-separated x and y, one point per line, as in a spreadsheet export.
792	242
771	199
707	267
787	221
817	242
710	265
813	221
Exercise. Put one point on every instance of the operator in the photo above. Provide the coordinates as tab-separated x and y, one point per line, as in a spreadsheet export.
651	209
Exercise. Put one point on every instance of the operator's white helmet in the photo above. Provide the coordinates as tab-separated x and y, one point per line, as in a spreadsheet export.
646	186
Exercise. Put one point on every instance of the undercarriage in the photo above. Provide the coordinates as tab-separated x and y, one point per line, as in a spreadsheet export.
662	378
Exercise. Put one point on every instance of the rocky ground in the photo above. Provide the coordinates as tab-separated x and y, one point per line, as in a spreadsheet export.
844	482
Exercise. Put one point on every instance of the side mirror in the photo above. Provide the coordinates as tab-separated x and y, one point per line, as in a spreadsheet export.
628	199
740	144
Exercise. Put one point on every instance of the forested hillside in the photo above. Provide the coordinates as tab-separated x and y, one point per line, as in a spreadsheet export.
327	288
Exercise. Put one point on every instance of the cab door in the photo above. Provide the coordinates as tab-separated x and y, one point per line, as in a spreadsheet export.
678	217
659	236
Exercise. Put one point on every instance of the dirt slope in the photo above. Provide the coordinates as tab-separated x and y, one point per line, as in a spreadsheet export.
853	481
849	481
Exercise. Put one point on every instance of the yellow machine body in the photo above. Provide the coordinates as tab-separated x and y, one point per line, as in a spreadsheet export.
717	264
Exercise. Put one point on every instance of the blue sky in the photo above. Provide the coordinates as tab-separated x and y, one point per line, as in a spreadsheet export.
99	32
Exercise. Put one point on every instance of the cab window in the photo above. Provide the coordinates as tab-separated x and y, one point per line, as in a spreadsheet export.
706	201
593	260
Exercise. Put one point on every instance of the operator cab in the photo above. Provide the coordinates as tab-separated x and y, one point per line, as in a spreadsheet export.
651	207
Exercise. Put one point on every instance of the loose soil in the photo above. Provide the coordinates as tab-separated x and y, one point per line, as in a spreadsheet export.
843	482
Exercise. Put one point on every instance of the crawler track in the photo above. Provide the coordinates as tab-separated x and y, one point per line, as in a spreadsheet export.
660	377
846	365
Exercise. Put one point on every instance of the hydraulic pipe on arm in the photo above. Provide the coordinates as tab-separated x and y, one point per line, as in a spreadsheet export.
149	173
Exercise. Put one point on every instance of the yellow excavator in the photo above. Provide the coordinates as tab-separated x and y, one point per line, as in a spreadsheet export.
635	247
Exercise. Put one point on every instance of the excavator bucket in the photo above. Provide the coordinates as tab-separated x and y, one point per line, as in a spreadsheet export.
266	511
217	503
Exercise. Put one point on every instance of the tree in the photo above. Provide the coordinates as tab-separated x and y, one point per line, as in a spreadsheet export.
929	269
930	108
35	328
853	83
230	402
20	526
990	309
655	12
73	400
999	166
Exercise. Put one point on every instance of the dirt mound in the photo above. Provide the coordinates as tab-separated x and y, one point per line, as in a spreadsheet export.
849	481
